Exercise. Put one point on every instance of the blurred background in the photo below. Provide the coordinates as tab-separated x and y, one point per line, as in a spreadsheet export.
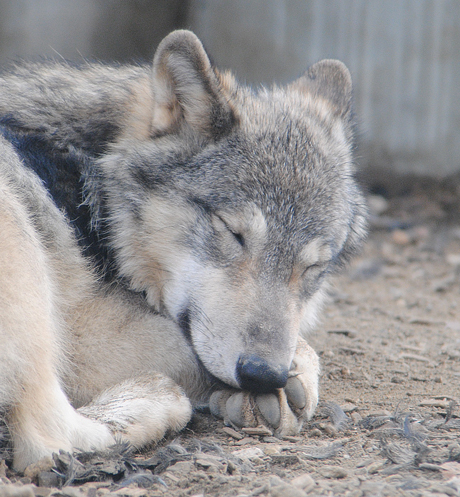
404	56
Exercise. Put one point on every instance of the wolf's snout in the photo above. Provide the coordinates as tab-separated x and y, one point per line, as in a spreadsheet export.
257	375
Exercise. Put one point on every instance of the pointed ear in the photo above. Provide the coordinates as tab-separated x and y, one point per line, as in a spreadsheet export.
186	90
331	80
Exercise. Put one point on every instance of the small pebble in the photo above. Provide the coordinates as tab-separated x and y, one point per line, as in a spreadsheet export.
17	491
286	490
271	440
305	482
275	481
400	237
348	407
232	433
249	453
377	414
293	439
333	472
47	491
245	441
78	491
183	467
271	450
348	333
453	259
430	467
364	463
438	489
285	459
442	403
48	479
377	204
33	470
356	417
345	371
329	429
207	463
375	467
454	452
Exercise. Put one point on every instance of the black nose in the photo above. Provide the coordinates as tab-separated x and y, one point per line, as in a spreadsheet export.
257	375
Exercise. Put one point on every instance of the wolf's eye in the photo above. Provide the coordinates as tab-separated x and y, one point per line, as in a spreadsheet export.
222	226
238	237
312	269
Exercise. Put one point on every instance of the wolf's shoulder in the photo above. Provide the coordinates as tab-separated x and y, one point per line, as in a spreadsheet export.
58	119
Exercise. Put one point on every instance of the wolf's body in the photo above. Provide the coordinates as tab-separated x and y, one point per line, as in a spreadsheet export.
165	235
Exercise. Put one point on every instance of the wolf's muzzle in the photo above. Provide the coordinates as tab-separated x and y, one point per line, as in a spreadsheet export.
257	375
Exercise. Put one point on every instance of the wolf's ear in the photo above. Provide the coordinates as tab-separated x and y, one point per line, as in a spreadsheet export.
186	90
328	79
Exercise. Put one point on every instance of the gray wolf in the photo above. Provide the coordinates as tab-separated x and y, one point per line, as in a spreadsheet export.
166	240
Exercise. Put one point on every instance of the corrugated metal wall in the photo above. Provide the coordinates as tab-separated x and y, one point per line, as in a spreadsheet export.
118	30
404	56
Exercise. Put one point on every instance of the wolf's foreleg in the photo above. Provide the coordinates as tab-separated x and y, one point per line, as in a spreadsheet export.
285	410
39	416
142	409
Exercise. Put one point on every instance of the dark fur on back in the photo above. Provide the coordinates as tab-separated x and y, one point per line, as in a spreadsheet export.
60	127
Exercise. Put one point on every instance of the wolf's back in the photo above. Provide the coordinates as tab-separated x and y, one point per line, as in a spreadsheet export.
60	119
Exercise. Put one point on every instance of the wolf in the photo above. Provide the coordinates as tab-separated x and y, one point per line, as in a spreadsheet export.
167	236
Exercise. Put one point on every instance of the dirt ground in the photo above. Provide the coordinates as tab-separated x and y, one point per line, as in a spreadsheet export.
389	421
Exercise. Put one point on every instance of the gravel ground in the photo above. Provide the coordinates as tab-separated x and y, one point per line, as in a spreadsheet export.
389	421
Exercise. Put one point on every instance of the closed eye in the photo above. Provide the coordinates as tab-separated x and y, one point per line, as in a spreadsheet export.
312	278
237	236
310	269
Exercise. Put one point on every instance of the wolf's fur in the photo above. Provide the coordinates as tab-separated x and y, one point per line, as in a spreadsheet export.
165	234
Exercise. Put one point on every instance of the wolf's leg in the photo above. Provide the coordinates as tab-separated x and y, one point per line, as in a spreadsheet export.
283	411
33	342
39	416
141	410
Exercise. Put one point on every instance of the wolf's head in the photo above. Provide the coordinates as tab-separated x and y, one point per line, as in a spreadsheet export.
231	206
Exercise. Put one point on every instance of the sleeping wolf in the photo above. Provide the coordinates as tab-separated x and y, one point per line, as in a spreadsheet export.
166	236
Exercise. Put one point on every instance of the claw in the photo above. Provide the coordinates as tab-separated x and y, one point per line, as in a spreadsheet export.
216	403
284	410
236	409
295	393
269	407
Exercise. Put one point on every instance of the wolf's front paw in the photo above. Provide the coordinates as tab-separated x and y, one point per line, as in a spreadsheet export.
141	410
284	410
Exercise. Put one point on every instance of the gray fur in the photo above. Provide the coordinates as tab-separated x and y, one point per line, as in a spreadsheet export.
180	225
